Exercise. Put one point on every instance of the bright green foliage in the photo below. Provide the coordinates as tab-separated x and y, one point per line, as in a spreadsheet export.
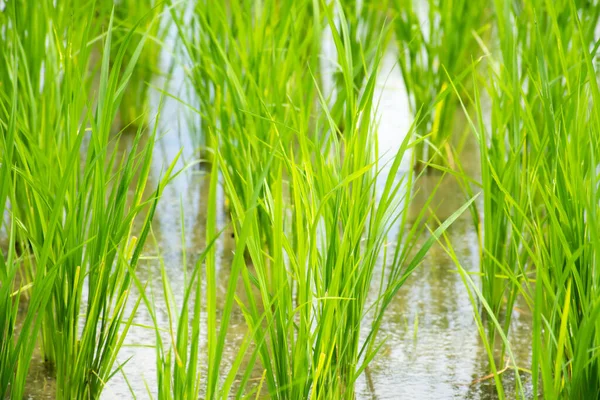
74	198
145	18
540	177
310	221
436	38
365	31
16	343
246	53
322	237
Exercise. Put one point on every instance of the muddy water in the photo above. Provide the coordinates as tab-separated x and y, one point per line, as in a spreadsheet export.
432	348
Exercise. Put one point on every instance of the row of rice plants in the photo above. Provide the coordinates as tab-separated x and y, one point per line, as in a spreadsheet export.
73	195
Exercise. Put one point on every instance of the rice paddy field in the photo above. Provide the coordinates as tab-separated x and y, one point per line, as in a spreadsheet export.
299	199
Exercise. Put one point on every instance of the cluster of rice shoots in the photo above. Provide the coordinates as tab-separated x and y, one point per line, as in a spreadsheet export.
437	43
73	195
146	19
537	124
310	222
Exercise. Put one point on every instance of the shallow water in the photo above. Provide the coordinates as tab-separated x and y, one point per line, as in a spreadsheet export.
432	350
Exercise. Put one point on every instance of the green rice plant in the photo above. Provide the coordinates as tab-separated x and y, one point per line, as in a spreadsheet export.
246	58
433	37
17	337
566	305
78	204
263	62
540	181
505	227
145	17
307	285
533	68
39	73
18	333
178	375
42	119
233	49
178	365
504	162
364	22
303	198
565	343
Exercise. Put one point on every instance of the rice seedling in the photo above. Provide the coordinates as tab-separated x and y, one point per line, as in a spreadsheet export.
433	37
565	311
503	174
242	66
308	223
179	363
17	341
540	179
323	235
145	17
77	200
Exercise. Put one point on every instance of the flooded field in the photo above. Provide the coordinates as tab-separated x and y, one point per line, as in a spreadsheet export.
346	200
